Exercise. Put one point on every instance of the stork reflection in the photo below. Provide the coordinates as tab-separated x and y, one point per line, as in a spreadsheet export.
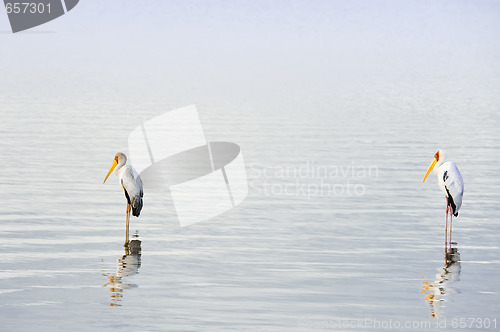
444	285
128	265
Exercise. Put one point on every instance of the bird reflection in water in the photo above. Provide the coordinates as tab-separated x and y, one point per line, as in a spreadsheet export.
448	275
128	265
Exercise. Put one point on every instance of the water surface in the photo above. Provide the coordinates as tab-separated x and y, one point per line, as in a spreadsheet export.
337	226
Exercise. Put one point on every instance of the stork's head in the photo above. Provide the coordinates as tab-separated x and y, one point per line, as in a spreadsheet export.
120	159
437	161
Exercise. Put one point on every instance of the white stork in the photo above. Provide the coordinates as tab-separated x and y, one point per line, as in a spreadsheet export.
132	186
451	183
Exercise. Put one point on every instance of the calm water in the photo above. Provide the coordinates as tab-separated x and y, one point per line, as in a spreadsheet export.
337	226
284	259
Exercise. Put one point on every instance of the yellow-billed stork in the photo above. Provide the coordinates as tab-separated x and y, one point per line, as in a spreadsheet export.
451	183
132	186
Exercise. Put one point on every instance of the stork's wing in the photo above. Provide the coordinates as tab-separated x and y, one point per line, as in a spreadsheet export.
453	183
132	185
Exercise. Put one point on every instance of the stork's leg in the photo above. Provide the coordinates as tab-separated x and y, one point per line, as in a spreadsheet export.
126	231
446	234
451	224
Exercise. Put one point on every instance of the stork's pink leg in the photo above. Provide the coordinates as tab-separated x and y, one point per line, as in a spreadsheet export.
446	234
451	224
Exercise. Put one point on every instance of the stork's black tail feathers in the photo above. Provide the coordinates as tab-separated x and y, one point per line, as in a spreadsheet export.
451	203
135	203
136	210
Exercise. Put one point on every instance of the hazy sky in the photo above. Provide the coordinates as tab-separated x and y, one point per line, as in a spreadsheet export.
250	51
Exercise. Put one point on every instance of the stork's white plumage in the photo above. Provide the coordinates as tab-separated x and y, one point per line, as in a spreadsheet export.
132	186
451	183
449	179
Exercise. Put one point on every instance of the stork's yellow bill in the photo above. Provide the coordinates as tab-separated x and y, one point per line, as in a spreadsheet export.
431	166
113	165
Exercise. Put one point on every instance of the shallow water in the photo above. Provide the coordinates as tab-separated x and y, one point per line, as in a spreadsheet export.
293	255
337	227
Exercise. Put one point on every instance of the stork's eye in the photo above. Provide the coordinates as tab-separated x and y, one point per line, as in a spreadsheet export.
437	156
